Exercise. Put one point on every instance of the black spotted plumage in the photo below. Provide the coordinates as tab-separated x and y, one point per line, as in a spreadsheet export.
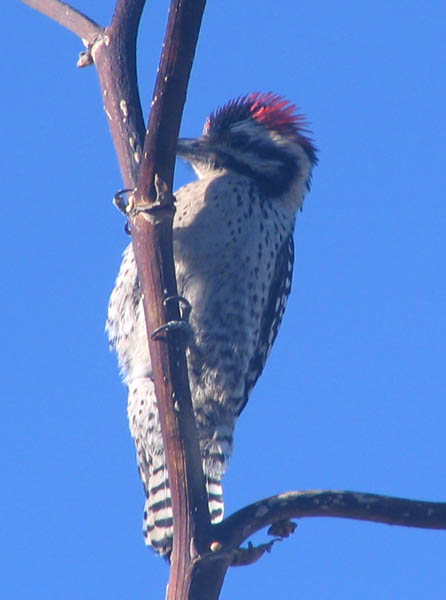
233	251
272	315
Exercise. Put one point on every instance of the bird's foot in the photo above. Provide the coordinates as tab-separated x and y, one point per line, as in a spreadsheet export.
183	303
247	556
124	200
124	203
181	325
282	528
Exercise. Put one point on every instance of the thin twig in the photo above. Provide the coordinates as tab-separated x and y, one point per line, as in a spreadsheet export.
329	503
69	17
114	55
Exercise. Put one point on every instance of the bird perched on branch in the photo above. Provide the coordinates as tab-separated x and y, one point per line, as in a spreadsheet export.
233	250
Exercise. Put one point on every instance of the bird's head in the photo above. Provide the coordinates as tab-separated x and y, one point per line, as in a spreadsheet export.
259	135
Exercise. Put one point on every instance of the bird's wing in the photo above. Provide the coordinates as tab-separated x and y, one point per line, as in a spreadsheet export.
272	315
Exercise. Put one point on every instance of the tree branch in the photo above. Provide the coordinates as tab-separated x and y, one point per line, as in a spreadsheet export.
152	237
114	54
113	50
328	503
69	17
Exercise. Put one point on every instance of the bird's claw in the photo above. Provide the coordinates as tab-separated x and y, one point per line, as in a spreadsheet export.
283	528
125	205
247	556
164	200
184	303
128	206
181	325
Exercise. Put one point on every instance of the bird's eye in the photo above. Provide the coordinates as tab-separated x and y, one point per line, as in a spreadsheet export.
240	140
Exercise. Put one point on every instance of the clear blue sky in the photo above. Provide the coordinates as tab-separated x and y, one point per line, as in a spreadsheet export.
353	394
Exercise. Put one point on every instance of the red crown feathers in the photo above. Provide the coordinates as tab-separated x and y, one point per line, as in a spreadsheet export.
273	111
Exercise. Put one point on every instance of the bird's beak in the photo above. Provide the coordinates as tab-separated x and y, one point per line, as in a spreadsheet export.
189	147
192	148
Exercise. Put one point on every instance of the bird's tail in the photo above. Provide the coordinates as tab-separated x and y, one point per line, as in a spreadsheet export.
215	499
157	523
158	520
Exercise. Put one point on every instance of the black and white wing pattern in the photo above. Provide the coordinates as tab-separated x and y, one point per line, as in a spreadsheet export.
272	316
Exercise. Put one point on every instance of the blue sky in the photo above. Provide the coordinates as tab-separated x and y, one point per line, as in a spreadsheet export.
353	394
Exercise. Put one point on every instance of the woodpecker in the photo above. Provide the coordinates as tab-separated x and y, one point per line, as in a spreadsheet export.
233	251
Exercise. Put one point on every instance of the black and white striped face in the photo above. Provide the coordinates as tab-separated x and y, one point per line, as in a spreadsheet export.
260	136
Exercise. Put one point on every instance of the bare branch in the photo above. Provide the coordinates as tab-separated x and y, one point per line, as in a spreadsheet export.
170	91
151	227
69	17
329	503
113	50
114	54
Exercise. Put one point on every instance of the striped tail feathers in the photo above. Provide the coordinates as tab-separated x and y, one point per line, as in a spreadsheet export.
215	499
215	454
158	522
215	445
